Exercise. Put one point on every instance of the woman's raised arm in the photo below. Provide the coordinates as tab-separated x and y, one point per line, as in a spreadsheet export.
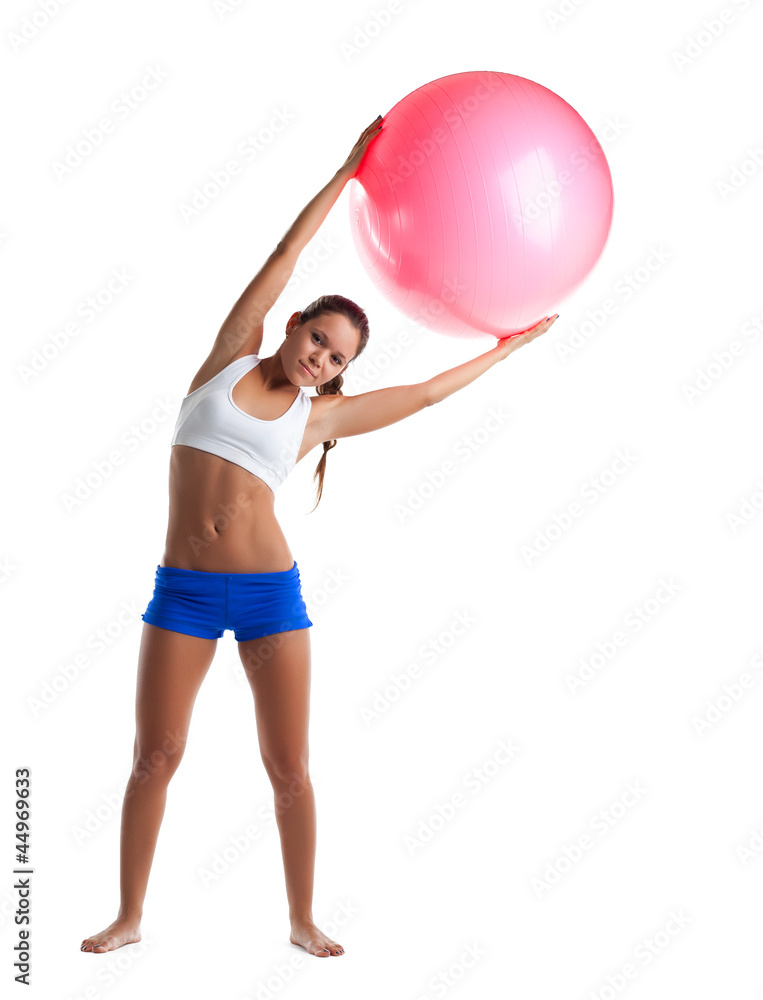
312	216
241	333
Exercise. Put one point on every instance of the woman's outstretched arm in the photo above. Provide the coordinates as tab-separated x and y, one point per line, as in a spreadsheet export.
344	416
447	382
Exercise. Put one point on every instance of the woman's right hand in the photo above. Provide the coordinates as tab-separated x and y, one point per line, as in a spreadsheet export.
507	345
351	164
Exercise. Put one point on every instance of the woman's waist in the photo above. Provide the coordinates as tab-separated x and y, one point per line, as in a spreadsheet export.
221	518
227	548
228	534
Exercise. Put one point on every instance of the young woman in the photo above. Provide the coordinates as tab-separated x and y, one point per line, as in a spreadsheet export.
246	421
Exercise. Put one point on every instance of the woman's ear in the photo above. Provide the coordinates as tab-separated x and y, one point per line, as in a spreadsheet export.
293	321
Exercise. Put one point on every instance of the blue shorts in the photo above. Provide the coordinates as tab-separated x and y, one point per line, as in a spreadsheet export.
206	604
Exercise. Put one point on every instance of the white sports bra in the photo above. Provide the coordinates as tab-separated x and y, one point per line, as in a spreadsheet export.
210	421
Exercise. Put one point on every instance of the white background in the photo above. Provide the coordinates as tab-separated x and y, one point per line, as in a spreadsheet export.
673	102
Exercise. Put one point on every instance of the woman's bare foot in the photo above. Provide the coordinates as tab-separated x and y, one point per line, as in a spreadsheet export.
306	934
124	930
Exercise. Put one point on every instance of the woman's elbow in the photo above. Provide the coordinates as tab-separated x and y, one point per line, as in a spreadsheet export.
427	395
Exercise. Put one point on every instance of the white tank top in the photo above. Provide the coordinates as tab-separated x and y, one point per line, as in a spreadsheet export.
210	421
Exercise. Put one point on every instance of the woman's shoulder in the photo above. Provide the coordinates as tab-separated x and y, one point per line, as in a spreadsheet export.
213	367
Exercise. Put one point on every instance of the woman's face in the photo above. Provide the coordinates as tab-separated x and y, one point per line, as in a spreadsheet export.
319	349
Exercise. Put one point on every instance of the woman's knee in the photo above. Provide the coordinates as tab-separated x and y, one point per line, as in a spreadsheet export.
287	769
289	788
158	759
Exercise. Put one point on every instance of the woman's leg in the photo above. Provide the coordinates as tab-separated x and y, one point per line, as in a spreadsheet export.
171	667
278	670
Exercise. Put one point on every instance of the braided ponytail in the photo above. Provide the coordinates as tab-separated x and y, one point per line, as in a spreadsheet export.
345	307
332	388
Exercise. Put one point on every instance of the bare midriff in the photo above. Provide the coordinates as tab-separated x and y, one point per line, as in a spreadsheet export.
221	517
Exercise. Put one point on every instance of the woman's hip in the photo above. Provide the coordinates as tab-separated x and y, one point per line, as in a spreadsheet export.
205	603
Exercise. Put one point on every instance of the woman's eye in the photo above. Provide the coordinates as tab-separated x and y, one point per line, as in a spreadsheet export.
335	359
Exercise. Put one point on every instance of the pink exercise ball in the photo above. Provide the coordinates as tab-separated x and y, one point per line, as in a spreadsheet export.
482	203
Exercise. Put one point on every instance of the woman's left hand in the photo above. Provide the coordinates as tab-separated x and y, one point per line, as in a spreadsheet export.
352	162
508	345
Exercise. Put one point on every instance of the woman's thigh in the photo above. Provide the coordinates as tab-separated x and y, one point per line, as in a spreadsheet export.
171	668
278	670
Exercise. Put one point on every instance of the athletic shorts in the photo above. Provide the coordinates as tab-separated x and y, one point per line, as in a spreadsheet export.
206	604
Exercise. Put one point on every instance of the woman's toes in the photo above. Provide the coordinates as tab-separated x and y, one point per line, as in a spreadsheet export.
89	946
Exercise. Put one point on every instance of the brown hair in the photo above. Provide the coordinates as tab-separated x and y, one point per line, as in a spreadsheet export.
345	307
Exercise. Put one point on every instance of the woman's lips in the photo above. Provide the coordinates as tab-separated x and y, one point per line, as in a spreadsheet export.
307	370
